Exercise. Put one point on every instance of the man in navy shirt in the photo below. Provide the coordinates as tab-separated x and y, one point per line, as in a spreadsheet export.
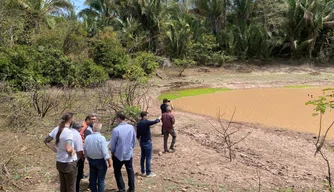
144	136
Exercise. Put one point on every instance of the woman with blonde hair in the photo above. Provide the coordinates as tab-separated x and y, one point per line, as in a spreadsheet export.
66	155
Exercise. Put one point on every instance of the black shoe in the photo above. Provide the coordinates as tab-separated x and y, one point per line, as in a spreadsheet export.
172	148
166	151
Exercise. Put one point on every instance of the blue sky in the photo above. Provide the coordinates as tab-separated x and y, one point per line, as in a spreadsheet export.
79	4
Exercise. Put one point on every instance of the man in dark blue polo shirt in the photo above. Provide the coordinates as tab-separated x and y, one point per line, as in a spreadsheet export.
144	136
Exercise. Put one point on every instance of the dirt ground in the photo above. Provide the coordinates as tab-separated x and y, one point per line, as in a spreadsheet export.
269	159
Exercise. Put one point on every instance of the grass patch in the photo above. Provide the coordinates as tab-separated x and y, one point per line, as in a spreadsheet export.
190	92
299	86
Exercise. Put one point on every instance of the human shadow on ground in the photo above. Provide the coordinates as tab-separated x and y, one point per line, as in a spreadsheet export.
110	190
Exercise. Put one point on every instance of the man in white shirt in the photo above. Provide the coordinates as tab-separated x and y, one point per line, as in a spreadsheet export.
77	140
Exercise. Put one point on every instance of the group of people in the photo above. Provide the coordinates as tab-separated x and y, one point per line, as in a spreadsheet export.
76	142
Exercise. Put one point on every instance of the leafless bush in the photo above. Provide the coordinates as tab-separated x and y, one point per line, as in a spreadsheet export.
20	114
227	132
67	97
6	177
44	101
130	97
25	108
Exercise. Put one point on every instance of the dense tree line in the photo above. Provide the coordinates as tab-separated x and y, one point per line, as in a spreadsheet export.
49	42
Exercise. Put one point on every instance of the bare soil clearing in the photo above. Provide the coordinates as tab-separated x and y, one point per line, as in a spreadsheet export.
270	158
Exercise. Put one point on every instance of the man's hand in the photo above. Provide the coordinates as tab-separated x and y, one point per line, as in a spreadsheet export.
159	117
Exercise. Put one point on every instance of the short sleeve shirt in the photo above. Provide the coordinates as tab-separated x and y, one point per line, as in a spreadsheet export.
77	140
66	135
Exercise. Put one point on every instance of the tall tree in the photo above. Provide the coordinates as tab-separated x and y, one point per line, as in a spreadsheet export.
304	20
214	11
43	11
98	15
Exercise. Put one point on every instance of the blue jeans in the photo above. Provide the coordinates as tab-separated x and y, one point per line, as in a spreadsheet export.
146	153
97	173
117	164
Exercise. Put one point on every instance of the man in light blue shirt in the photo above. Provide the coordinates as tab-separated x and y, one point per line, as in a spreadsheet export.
96	151
122	142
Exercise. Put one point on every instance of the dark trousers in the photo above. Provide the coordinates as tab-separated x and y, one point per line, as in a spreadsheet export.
81	164
117	164
146	154
67	175
166	135
97	172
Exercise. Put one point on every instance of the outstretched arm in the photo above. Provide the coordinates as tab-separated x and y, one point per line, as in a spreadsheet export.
153	122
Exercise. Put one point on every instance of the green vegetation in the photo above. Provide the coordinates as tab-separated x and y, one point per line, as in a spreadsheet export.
191	92
299	86
125	39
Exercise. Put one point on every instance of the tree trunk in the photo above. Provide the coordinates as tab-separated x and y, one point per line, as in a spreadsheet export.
224	15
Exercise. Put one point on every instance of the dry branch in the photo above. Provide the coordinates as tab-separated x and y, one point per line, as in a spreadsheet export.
227	132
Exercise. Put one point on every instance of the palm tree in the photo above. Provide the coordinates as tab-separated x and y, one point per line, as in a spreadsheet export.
215	13
304	20
43	11
179	31
99	14
149	13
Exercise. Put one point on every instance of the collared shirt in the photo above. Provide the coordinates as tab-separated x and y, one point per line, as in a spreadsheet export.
66	135
143	129
88	131
123	140
168	121
96	146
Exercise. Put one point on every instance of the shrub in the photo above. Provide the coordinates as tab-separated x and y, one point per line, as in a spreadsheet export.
109	53
183	64
20	66
57	68
24	66
90	74
134	72
203	50
147	61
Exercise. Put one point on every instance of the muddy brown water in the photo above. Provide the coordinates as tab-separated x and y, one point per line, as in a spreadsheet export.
273	107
